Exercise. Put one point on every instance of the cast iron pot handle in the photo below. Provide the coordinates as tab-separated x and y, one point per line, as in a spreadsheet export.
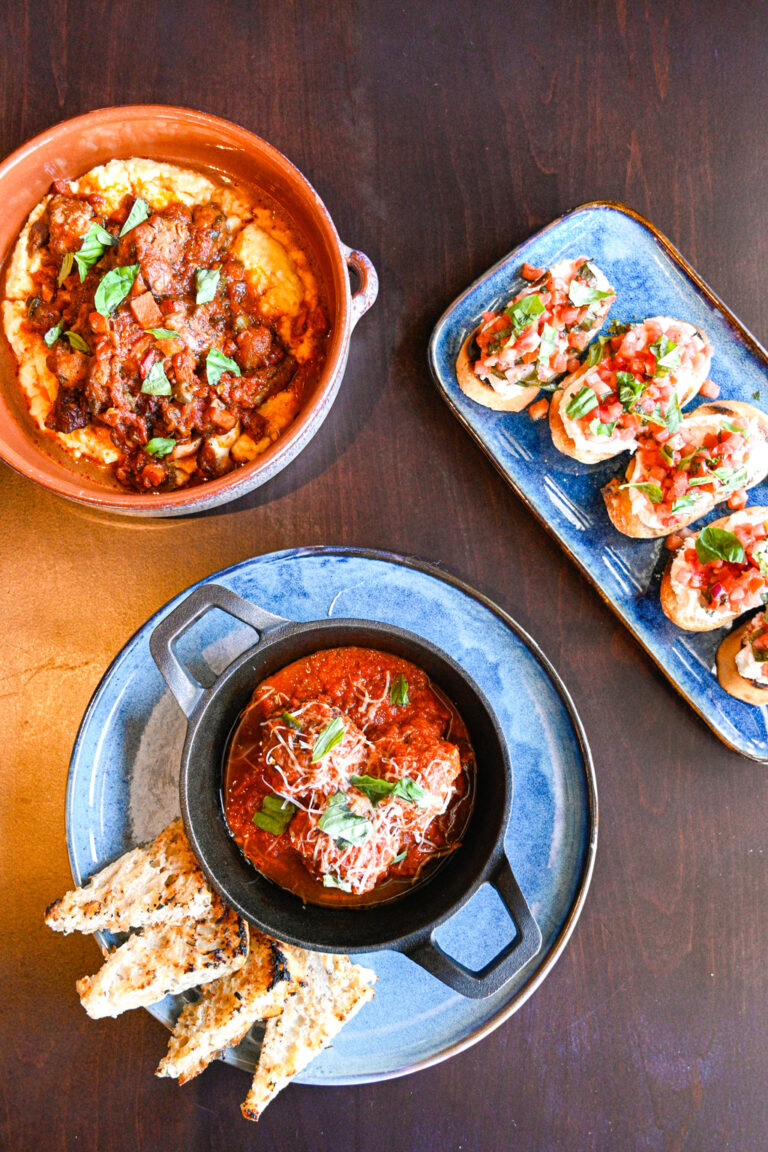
369	283
162	642
503	967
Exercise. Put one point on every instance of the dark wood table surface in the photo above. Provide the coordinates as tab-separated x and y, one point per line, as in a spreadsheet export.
439	136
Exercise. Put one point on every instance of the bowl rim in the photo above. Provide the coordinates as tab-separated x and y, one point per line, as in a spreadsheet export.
308	420
196	730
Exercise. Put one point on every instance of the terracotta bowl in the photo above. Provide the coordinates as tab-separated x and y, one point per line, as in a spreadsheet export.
216	147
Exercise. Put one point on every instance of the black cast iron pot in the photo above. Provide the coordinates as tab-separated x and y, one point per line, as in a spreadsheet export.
406	924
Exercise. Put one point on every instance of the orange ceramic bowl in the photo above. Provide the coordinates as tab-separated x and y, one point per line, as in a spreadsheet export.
196	140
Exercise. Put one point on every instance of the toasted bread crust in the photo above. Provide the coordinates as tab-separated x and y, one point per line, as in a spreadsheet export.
481	392
728	673
618	501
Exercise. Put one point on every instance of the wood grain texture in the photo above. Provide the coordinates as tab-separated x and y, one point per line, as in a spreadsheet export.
439	136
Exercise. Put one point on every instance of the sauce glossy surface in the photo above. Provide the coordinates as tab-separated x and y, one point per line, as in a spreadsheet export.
358	772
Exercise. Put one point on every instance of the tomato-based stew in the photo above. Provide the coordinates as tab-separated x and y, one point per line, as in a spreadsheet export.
348	776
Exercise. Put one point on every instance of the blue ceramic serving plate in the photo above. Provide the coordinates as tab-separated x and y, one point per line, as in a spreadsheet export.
651	279
123	786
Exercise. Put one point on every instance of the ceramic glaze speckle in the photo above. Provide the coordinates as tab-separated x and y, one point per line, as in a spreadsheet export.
651	279
125	763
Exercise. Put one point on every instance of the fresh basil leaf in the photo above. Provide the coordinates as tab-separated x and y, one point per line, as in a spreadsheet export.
683	503
275	815
156	383
761	555
587	273
341	824
667	355
673	414
667	453
597	352
52	335
408	789
695	481
732	477
398	691
163	333
377	789
331	735
547	346
114	287
94	245
76	341
597	428
524	311
331	881
206	282
756	395
734	427
649	489
400	856
630	388
617	329
582	294
160	446
714	543
584	401
289	719
137	215
66	267
216	363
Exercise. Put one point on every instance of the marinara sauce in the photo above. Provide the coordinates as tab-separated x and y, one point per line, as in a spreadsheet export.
348	776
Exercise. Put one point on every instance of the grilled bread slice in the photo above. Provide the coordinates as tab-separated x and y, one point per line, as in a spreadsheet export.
169	958
333	991
228	1007
740	664
157	884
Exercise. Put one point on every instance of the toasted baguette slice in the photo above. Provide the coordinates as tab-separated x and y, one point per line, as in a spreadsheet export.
632	513
685	606
158	884
594	450
471	385
228	1007
334	990
166	959
731	679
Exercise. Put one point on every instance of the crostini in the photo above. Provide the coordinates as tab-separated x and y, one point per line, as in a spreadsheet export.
674	478
639	377
719	573
529	343
742	661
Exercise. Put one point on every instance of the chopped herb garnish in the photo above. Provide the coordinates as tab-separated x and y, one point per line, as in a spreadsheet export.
756	395
732	477
94	245
160	445
683	503
667	453
714	543
76	341
66	268
667	354
597	352
331	881
340	823
696	481
331	735
216	363
114	288
156	383
377	789
734	428
52	335
547	346
649	489
630	388
597	428
581	295
584	401
137	215
524	311
289	719
673	414
163	333
398	691
400	856
206	282
275	815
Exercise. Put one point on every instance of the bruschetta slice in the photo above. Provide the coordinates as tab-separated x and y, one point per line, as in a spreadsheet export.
533	340
637	378
674	478
742	661
719	573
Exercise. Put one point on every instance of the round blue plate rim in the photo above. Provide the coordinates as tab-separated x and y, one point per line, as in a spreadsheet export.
548	961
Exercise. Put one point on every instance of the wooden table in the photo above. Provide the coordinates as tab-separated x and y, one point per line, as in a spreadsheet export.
439	136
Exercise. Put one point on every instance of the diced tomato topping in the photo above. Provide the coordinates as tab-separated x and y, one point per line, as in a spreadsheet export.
737	499
539	410
673	542
531	272
573	364
559	362
710	389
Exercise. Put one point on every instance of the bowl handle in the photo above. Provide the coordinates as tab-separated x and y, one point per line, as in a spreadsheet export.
369	283
502	968
162	642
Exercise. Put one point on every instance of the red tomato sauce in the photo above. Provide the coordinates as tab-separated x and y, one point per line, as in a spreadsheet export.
367	766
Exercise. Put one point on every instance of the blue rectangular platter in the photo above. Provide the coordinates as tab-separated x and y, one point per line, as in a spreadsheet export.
651	279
